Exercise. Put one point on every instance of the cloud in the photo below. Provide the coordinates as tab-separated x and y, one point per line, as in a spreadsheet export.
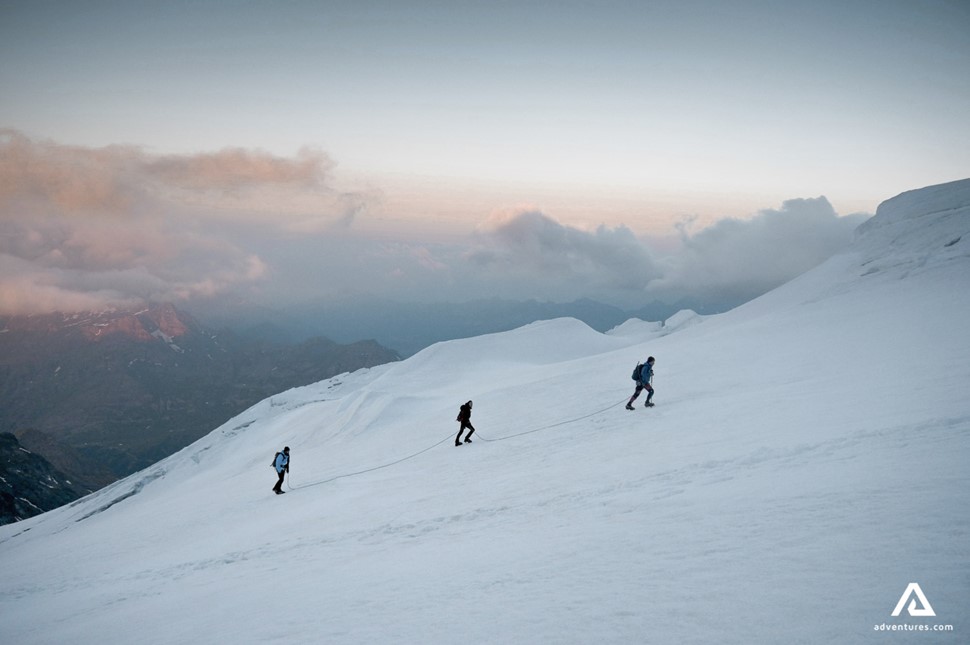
26	288
51	178
59	178
723	265
85	228
238	169
526	241
88	227
740	259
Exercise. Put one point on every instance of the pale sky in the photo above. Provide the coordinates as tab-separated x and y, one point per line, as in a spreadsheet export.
410	121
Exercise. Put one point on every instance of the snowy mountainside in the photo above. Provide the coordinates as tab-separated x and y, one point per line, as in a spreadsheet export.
805	462
922	229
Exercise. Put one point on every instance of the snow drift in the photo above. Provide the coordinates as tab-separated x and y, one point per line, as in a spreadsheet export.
806	462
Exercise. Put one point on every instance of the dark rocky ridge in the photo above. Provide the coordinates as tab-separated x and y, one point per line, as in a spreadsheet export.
29	484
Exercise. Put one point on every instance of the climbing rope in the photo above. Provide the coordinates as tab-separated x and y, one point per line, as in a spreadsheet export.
449	436
551	425
367	470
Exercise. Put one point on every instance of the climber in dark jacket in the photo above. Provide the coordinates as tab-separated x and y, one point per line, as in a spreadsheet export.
643	383
465	418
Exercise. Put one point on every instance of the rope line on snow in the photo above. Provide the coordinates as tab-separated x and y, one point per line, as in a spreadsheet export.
551	425
367	470
421	452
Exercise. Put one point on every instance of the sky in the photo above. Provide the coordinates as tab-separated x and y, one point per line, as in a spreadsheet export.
625	151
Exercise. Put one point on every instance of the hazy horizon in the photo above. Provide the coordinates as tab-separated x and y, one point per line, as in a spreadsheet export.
442	152
86	228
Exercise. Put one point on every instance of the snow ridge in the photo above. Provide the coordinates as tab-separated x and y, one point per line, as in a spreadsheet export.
917	230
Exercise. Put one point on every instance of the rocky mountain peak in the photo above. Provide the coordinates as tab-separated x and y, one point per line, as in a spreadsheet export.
155	322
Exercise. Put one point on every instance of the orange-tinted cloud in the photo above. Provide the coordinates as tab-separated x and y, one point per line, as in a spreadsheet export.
84	226
66	179
238	169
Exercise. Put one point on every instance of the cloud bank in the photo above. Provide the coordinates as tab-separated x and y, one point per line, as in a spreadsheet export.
741	259
89	228
528	246
84	228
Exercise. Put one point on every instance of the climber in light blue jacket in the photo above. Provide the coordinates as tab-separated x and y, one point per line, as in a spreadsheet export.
282	465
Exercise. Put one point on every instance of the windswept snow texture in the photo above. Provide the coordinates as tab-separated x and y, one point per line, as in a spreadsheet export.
806	461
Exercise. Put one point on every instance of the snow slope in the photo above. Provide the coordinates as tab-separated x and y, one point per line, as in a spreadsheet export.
806	461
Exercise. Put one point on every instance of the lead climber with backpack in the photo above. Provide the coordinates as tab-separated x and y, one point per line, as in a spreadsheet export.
281	462
465	419
643	375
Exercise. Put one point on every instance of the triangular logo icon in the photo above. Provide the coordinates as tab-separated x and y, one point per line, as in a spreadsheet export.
924	608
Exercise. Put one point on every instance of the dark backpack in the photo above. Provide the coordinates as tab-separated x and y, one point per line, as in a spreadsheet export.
637	372
275	457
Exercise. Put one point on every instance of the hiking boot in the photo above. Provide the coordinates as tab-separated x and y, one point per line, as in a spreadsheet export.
629	407
468	440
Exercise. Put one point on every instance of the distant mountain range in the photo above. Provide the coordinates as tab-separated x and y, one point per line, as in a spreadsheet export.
103	394
408	327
